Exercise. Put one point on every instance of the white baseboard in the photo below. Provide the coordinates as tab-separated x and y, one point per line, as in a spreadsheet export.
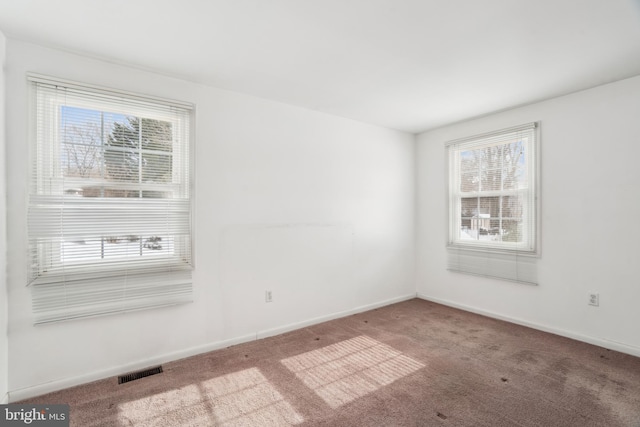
612	345
299	325
4	399
40	389
56	385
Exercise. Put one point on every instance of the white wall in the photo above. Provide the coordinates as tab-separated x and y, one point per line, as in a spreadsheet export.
590	219
316	208
4	339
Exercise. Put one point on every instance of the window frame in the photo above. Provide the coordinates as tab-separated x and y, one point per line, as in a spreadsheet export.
171	270
52	171
531	219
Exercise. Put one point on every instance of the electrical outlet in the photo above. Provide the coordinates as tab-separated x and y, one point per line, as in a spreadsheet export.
594	299
268	296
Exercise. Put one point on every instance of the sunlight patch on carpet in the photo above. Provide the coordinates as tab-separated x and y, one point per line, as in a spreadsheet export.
243	398
185	403
248	398
345	371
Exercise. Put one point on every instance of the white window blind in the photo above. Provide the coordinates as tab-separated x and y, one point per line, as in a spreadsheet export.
493	204
109	221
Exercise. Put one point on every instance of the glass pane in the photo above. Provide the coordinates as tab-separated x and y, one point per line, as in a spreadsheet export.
512	207
491	157
82	160
468	206
156	167
513	152
113	247
81	143
466	233
469	160
122	164
491	180
469	181
514	168
156	135
137	153
489	207
512	231
122	153
494	230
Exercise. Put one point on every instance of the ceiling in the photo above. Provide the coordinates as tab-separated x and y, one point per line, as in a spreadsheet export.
410	65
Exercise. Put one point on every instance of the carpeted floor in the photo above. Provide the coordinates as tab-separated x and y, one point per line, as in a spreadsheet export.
415	363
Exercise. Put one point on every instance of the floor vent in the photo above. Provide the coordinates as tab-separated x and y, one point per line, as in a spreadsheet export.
140	374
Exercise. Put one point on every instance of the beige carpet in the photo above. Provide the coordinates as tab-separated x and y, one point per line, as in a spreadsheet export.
414	363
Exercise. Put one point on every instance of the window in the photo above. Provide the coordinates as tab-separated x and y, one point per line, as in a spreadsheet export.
493	202
110	201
